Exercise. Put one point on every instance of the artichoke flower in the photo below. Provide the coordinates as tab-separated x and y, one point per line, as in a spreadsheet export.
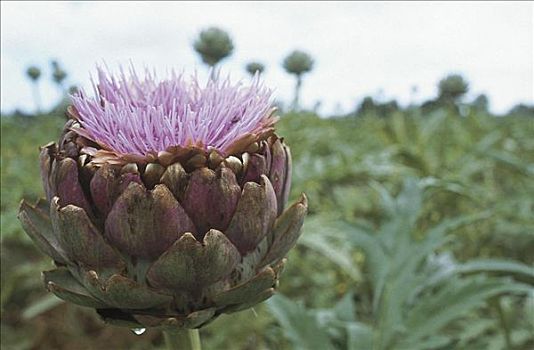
165	200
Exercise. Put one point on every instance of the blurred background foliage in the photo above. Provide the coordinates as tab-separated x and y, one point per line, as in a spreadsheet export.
420	233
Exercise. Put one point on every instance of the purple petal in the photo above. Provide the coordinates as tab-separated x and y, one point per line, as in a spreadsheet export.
106	186
67	185
145	223
286	231
254	216
287	179
45	161
211	198
80	239
192	265
255	167
277	174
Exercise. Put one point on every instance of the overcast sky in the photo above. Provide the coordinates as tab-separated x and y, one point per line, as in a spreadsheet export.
379	49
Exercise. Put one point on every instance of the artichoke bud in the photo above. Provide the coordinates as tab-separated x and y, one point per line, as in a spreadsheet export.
165	226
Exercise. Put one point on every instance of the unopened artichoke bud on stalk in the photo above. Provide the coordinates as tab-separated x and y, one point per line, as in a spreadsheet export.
165	200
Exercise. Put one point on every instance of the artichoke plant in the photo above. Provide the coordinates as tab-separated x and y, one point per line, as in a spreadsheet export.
165	201
213	45
298	63
452	87
255	67
34	73
58	75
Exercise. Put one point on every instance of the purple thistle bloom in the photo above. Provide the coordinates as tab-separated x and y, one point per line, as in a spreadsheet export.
166	201
133	116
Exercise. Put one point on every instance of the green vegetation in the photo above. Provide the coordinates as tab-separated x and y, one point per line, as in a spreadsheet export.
420	236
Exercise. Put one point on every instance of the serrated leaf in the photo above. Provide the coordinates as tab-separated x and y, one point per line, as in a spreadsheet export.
458	297
495	265
299	326
332	251
345	309
360	336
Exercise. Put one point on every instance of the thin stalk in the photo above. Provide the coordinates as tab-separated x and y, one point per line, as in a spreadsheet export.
36	97
297	92
188	339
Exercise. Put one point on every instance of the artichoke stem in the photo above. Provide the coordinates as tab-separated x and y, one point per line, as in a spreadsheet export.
188	339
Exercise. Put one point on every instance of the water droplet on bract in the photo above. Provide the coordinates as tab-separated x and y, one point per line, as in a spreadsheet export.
138	331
